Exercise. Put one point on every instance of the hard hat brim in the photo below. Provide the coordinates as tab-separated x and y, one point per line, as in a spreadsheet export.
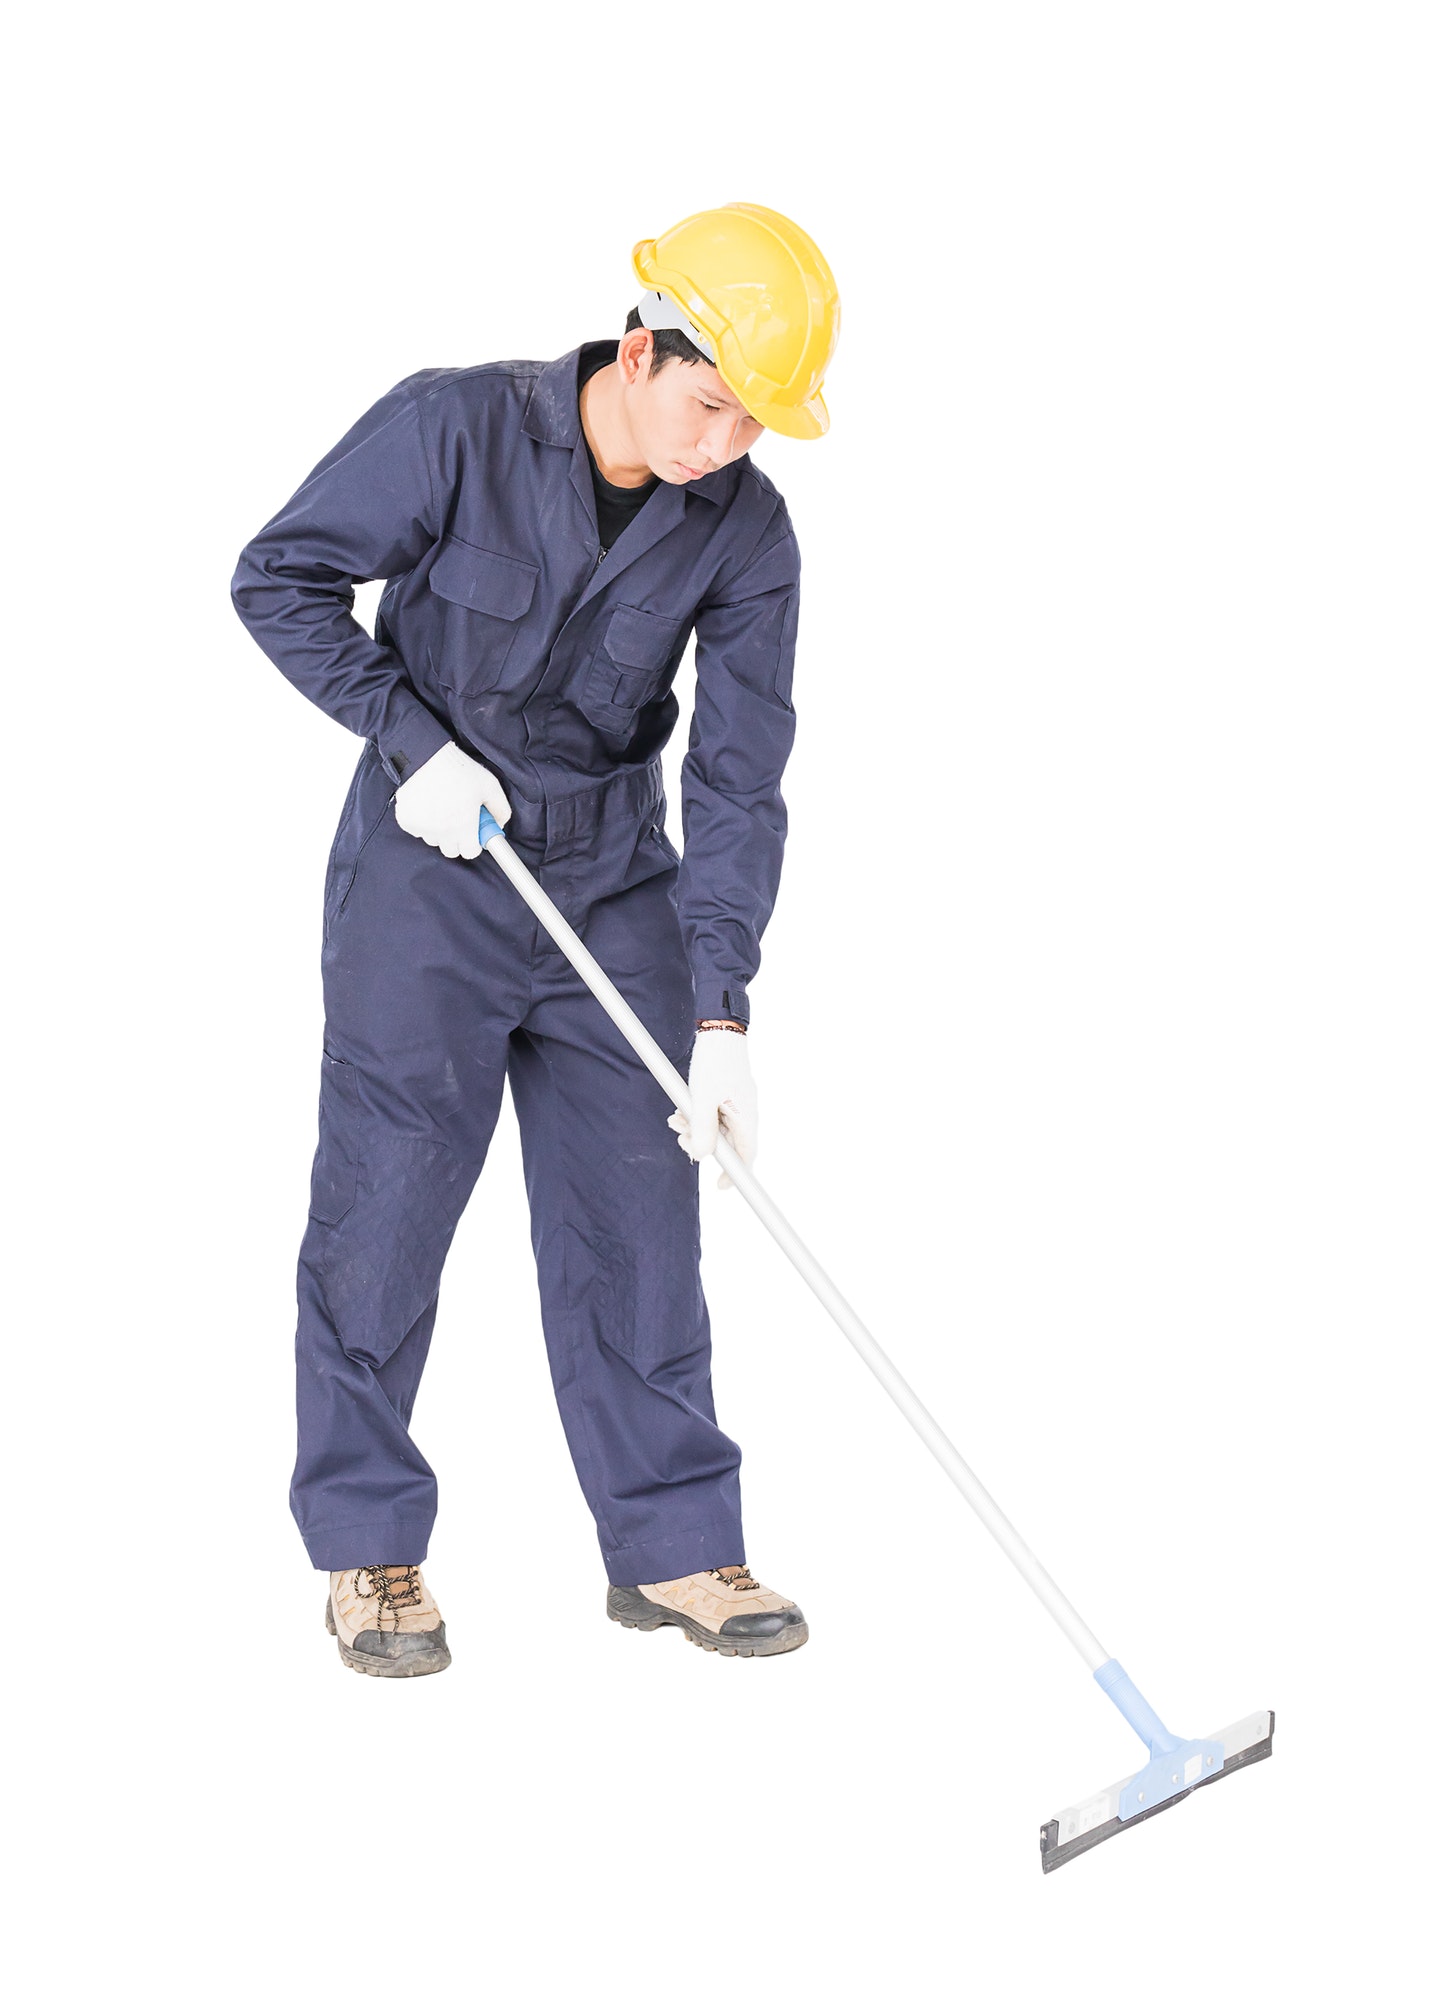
798	420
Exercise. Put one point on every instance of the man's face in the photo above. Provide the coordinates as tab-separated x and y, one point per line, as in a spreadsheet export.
685	421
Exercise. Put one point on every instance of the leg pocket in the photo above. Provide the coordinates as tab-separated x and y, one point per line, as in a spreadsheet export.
366	808
333	1176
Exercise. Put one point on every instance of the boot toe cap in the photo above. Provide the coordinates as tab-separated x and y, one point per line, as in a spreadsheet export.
405	1649
762	1624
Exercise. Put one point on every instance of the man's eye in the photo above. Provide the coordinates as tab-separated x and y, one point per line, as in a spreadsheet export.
708	406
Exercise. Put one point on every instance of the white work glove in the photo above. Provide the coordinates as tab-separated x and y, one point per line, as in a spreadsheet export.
441	802
722	1094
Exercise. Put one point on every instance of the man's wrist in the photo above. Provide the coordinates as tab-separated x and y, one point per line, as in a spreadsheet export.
731	1027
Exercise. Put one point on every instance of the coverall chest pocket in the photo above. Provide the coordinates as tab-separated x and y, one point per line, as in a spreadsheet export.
491	593
628	668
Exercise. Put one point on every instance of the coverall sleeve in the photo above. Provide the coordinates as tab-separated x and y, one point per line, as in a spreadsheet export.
368	510
732	812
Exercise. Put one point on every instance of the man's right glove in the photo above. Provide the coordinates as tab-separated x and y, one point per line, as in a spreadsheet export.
441	802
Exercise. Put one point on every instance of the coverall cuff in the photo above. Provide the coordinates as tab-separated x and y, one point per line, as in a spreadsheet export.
683	1554
720	999
356	1544
412	743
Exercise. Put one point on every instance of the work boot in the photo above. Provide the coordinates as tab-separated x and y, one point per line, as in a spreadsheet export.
386	1622
724	1610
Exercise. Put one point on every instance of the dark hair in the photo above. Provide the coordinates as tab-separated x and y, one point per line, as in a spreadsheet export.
669	343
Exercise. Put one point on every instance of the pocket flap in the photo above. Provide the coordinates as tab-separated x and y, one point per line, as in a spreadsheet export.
503	586
640	638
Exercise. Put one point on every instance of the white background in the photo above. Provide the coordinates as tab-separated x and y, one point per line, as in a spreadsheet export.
1097	1033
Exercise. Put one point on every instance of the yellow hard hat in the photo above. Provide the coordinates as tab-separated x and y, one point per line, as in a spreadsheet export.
763	295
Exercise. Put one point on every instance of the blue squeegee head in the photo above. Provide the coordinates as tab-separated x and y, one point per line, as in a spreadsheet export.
1088	1824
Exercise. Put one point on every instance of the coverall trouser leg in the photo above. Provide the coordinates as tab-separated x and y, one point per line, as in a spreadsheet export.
438	985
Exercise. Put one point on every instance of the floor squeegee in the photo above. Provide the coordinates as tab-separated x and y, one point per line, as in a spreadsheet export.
1176	1766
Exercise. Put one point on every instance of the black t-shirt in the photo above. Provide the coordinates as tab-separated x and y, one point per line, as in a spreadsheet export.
616	506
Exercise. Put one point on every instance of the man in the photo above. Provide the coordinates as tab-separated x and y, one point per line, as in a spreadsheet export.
551	535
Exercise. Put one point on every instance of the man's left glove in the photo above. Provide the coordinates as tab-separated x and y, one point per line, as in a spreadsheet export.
441	802
722	1095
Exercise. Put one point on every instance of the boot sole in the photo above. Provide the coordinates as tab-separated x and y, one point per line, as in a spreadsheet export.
385	1670
638	1614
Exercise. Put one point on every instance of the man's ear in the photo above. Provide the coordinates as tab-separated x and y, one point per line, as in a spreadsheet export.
633	355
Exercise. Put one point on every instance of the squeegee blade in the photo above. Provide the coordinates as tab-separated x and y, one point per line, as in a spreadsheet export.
1096	1819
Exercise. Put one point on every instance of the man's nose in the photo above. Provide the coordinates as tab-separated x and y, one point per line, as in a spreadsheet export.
718	441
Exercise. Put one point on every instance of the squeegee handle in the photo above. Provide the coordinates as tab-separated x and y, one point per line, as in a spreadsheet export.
896	1386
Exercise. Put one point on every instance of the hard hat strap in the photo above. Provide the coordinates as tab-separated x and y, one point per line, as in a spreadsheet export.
657	311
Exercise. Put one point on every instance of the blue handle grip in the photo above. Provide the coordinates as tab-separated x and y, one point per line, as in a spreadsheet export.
489	827
1114	1680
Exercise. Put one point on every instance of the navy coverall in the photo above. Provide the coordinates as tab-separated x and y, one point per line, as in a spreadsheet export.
503	629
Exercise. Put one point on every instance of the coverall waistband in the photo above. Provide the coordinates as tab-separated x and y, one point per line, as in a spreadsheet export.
577	822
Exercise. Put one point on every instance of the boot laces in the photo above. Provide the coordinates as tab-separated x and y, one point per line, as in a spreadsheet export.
738	1576
398	1588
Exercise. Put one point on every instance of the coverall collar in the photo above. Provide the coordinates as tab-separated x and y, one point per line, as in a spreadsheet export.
553	416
